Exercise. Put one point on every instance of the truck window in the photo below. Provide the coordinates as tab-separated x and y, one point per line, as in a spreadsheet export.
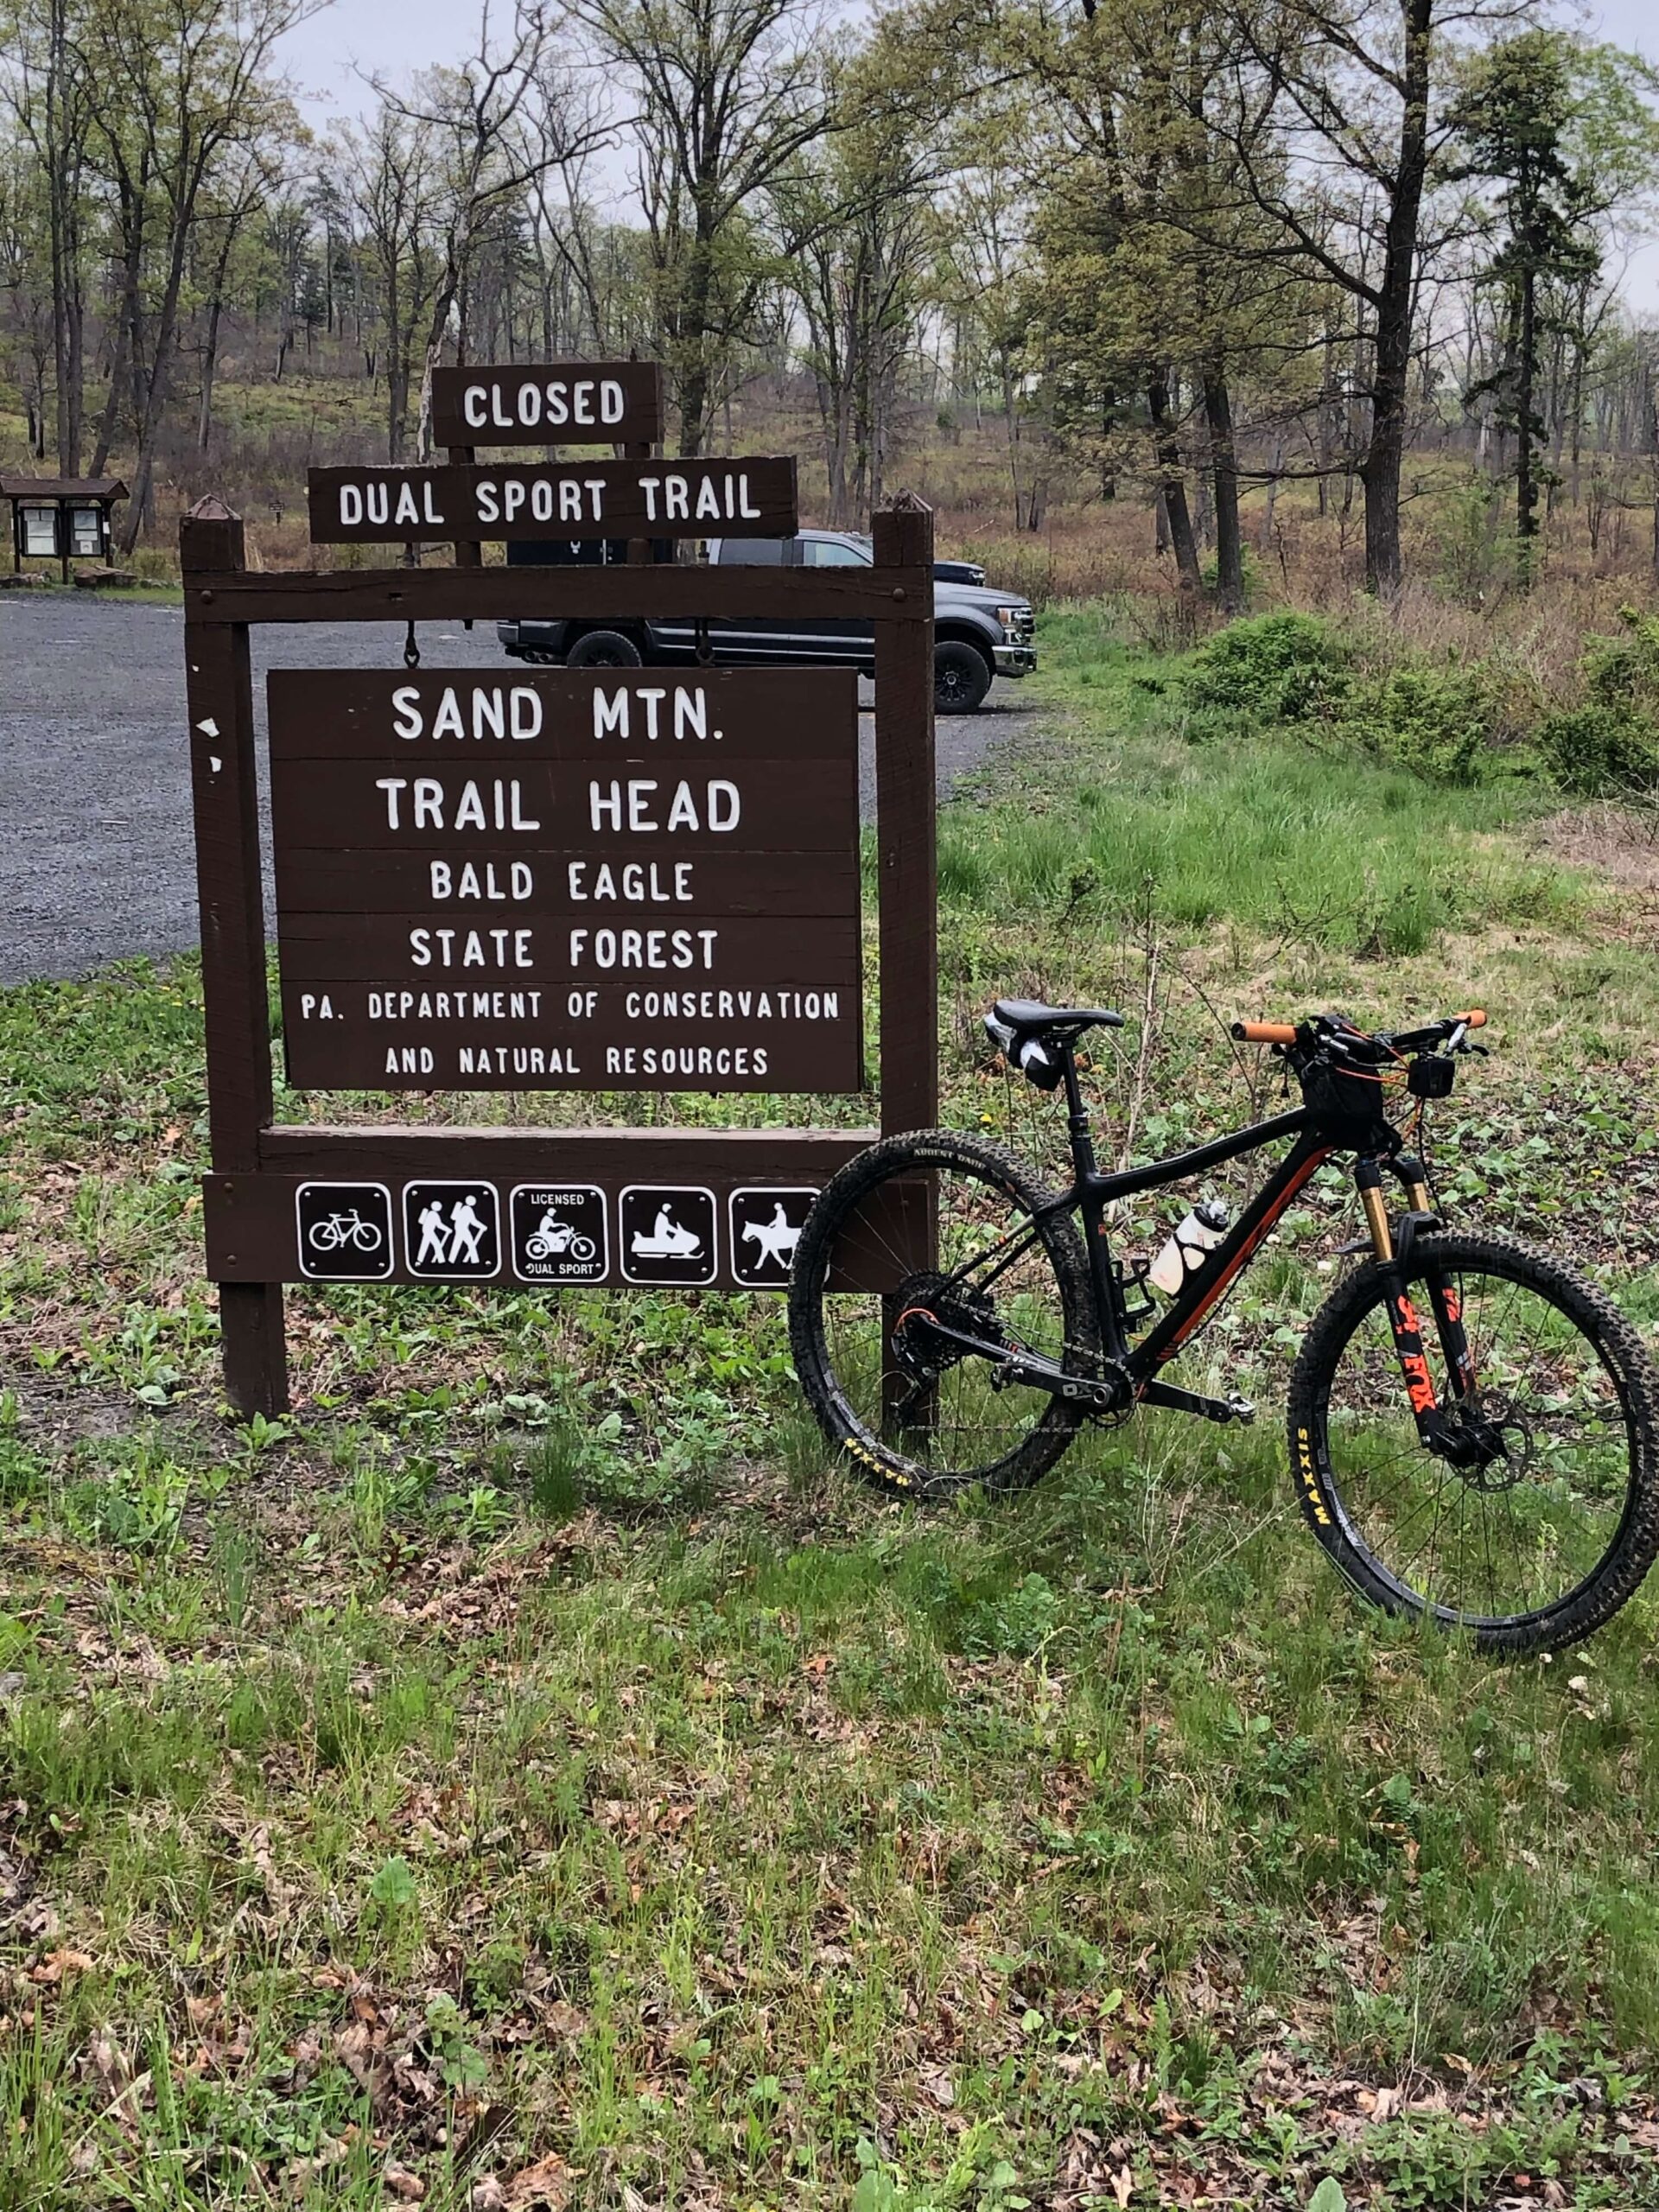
758	552
828	553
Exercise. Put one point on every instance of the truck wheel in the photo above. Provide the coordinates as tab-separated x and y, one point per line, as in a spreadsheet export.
603	649
961	677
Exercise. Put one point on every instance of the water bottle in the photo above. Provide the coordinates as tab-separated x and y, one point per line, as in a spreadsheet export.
1197	1234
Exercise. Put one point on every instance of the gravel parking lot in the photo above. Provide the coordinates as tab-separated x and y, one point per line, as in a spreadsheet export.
95	845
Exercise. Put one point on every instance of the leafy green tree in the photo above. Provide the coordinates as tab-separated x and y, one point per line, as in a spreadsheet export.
1512	125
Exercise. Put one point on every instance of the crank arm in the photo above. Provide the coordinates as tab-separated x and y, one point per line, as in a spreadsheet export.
1230	1409
1010	1365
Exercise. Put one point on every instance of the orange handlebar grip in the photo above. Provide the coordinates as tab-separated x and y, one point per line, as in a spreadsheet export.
1475	1018
1266	1032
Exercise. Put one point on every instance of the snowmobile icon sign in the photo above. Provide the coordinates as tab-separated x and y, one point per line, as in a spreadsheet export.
343	1231
452	1231
766	1227
558	1233
666	1233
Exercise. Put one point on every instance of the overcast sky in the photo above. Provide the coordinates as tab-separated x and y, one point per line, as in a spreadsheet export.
392	37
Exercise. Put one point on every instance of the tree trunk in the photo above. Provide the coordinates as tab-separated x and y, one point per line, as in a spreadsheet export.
1526	487
692	331
1168	453
209	363
1223	466
123	340
1396	296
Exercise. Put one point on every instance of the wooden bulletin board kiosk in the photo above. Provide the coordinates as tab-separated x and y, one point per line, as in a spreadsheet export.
61	518
605	879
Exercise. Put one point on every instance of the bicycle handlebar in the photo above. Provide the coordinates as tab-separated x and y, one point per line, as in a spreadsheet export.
1285	1033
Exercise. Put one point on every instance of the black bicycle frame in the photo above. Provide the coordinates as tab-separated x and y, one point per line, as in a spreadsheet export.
1094	1191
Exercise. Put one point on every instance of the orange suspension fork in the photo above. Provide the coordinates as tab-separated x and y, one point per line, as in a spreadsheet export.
1403	1321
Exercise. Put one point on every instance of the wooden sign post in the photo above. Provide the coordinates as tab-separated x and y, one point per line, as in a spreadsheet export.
605	879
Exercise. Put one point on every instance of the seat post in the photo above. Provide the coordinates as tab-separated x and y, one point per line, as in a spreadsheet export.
1077	1116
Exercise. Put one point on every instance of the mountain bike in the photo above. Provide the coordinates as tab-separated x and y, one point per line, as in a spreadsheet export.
1471	1423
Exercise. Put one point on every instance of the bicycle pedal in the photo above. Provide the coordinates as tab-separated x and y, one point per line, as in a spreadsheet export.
1241	1409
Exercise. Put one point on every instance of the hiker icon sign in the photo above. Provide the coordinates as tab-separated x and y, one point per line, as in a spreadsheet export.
766	1228
452	1231
667	1234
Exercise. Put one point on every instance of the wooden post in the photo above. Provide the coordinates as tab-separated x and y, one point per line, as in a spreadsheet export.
469	553
907	884
219	690
905	837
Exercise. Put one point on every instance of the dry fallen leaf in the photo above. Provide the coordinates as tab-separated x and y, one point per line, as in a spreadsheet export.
403	2184
57	1964
546	2184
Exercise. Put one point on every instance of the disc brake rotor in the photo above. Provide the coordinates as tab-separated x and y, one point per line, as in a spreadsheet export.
1492	1445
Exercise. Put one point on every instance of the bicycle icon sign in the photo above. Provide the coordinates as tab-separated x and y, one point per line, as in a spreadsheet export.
344	1231
336	1231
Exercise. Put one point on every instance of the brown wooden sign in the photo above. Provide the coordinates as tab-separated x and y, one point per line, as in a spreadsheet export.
614	1209
566	847
558	403
665	862
746	498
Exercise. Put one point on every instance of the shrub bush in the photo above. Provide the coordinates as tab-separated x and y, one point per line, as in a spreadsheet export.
1276	667
1441	726
1624	672
1597	750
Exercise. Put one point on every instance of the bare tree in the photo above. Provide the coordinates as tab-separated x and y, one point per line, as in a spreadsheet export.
390	167
174	88
1355	91
478	115
729	92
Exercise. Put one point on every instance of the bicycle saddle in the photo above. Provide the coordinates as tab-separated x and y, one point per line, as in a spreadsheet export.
1032	1016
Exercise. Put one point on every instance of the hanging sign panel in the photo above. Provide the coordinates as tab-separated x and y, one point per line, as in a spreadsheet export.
753	497
556	403
595	880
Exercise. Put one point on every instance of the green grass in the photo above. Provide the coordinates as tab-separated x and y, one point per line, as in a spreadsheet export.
528	1757
1268	834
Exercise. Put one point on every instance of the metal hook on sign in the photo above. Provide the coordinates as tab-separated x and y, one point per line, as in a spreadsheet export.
412	650
705	650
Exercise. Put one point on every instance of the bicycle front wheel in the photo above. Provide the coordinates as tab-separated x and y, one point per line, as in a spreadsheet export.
1542	1518
959	1249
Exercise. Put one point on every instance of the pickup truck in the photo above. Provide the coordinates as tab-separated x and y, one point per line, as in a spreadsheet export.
979	631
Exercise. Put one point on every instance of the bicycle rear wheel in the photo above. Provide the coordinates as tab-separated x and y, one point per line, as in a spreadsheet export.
1547	1519
880	1369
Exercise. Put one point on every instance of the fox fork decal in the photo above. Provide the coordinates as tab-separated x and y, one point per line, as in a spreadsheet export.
1413	1362
1447	1302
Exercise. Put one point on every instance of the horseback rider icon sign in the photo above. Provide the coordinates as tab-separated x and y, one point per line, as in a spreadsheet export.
766	1227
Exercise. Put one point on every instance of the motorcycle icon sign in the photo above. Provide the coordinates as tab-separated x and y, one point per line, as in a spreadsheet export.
558	1233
